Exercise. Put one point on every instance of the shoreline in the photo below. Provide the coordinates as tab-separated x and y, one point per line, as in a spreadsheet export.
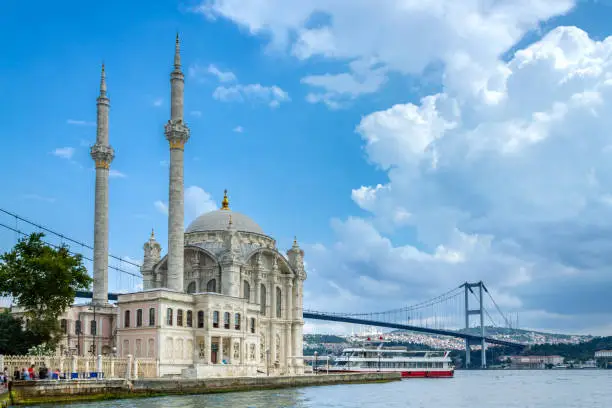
23	393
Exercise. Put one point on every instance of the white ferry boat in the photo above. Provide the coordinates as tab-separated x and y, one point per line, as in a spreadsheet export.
411	364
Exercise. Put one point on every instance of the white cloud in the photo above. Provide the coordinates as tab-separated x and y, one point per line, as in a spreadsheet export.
161	206
197	202
238	129
502	176
201	73
272	95
38	197
116	174
80	122
64	152
157	102
405	37
363	78
222	76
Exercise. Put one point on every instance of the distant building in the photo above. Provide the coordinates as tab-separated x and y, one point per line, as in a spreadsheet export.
533	362
604	358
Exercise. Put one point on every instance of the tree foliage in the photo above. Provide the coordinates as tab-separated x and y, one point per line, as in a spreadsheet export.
43	281
14	339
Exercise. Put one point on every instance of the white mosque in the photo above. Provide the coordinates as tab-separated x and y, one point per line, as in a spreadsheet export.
222	302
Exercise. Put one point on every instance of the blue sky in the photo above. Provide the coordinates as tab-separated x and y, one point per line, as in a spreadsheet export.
349	83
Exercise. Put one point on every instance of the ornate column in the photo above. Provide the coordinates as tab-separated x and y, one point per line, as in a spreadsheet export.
177	134
289	316
102	154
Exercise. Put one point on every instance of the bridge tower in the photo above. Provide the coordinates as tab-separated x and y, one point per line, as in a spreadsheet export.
467	288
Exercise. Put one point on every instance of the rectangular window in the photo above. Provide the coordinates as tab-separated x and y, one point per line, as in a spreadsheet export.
169	316
215	319
179	317
126	319
226	320
139	318
252	325
64	326
152	316
77	327
93	328
200	319
237	321
189	318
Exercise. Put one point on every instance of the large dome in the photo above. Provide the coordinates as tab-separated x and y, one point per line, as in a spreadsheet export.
219	220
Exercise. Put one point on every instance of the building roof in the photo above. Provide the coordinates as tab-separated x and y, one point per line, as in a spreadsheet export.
220	219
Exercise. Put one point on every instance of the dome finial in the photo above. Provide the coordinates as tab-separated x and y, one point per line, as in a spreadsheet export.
295	241
225	202
152	234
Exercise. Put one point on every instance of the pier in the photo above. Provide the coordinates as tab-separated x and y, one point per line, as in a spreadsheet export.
64	391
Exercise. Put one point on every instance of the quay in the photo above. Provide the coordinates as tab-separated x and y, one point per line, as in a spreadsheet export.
66	391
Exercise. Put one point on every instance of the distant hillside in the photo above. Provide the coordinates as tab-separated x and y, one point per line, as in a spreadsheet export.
503	331
580	352
323	338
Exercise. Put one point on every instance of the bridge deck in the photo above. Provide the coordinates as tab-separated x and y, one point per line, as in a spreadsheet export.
365	322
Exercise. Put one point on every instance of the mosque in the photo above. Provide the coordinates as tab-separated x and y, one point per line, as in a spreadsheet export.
222	302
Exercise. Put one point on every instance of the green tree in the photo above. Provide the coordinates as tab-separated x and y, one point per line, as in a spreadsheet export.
43	280
14	340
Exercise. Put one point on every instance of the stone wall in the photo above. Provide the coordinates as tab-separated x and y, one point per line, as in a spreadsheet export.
53	391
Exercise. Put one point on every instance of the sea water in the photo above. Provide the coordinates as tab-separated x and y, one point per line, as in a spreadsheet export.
468	389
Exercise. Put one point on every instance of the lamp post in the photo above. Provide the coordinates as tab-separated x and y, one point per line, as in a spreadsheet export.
379	361
95	331
268	362
316	354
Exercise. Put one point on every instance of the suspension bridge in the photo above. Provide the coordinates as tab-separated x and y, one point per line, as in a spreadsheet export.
449	314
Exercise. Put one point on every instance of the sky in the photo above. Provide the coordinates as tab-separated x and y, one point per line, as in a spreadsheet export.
409	145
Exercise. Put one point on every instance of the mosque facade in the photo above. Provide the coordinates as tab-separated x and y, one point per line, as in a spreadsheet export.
223	301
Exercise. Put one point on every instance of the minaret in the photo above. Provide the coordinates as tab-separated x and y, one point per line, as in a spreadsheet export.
103	155
152	255
177	133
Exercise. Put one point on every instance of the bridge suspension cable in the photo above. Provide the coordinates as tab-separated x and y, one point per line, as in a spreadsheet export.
63	237
497	307
71	252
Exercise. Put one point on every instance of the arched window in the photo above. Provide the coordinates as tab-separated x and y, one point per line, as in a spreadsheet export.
279	302
211	286
179	317
237	321
152	316
64	326
126	319
169	316
189	318
262	300
226	320
215	319
200	319
139	318
191	288
252	325
246	291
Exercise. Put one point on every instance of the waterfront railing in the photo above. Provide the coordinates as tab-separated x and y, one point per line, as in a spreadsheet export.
71	367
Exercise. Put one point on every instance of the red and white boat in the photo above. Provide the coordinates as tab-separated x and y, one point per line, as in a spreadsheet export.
411	364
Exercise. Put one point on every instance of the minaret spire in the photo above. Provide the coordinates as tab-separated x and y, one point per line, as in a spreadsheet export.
177	54
177	134
103	82
102	154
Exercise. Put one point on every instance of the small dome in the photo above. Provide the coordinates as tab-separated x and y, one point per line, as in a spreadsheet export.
219	220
